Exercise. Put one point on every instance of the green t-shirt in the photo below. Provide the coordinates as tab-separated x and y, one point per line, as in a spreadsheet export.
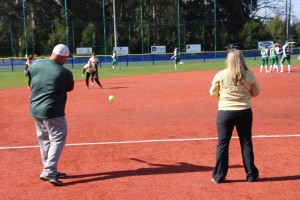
273	53
50	84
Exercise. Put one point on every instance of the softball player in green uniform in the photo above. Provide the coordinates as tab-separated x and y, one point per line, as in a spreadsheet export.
278	52
176	58
273	59
287	50
264	59
114	60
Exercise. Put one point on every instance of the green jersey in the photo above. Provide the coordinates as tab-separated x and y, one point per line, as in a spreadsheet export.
50	84
264	53
273	53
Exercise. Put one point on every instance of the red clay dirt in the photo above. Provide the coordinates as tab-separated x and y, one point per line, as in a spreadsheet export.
154	107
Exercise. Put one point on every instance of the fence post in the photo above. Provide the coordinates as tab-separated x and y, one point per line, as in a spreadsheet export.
12	64
100	63
127	59
153	59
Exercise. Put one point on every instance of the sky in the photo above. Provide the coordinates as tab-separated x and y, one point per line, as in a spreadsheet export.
295	14
296	8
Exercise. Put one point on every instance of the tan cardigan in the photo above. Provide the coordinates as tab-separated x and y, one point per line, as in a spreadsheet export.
234	97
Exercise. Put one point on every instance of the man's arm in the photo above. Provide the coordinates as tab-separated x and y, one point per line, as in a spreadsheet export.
70	82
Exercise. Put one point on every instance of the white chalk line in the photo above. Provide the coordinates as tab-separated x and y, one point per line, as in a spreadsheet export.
150	141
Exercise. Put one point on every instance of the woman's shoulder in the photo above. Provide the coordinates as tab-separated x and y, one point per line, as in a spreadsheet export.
220	73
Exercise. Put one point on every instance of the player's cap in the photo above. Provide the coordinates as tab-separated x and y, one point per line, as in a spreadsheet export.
62	50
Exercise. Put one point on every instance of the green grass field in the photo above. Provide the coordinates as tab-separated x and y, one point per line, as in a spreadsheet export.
17	79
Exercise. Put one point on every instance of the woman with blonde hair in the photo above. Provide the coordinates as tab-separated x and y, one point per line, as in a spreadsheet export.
234	86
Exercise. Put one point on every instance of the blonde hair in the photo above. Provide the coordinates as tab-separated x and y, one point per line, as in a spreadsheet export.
235	68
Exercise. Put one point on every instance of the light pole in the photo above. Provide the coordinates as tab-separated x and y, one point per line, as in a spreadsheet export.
73	34
25	31
251	24
104	26
115	23
52	34
215	26
93	36
178	15
11	40
142	32
67	27
289	22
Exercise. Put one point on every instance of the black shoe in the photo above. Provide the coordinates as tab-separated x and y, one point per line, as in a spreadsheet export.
53	180
251	179
217	182
61	175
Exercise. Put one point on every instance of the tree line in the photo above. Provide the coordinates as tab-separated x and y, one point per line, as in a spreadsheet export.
141	24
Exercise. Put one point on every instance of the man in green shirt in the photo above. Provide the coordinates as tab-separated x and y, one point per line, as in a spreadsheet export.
50	84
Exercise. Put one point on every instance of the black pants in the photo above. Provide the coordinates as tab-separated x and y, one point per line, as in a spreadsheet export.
226	121
29	79
94	75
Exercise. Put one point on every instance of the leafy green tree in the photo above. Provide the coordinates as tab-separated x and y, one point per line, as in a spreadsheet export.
88	35
297	31
276	28
46	20
59	33
252	33
11	13
4	40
